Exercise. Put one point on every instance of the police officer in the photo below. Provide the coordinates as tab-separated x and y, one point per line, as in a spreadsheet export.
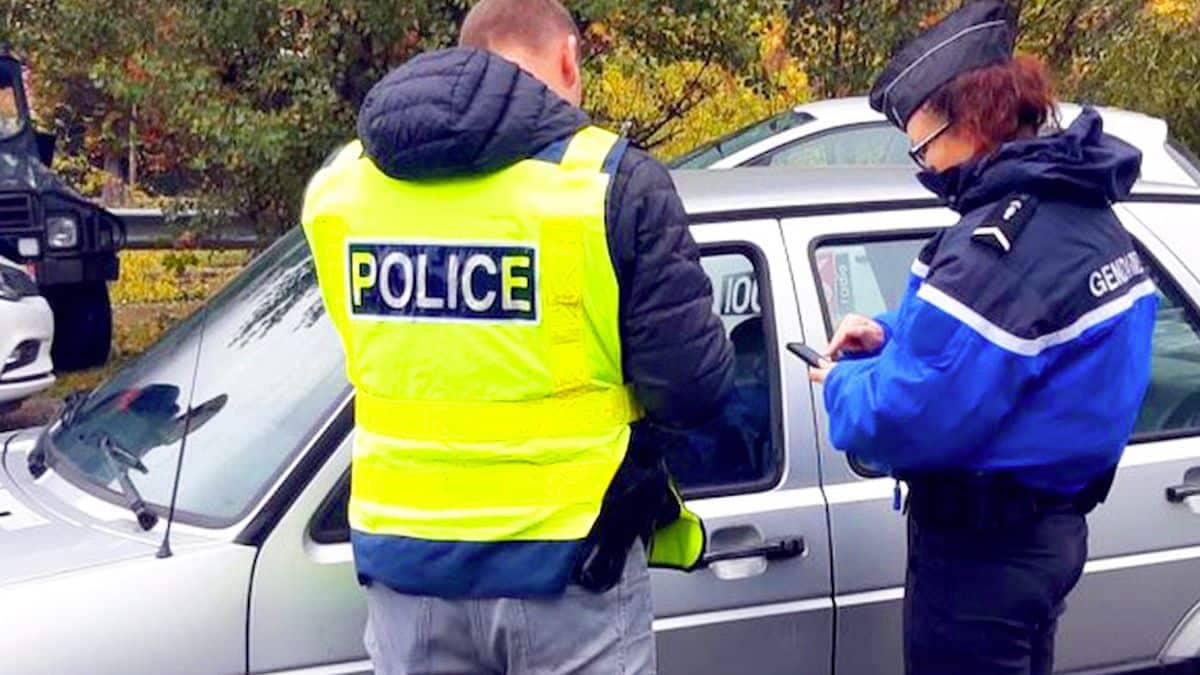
515	289
1005	387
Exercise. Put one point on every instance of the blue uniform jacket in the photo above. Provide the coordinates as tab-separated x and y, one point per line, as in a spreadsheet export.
1023	341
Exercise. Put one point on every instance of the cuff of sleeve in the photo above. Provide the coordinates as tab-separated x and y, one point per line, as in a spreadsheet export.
885	321
833	383
887	333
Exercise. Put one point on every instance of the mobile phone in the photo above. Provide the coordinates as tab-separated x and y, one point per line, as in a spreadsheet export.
809	355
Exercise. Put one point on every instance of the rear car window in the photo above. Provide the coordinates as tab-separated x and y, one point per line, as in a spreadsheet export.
865	145
869	277
710	153
1172	403
863	277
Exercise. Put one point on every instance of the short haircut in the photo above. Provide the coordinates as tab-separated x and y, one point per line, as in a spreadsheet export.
527	23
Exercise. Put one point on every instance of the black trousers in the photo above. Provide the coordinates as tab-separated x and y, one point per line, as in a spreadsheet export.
987	601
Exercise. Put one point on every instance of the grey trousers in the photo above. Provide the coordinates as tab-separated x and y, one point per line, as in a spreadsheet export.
578	633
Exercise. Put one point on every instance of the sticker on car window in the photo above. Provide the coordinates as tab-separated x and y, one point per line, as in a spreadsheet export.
738	295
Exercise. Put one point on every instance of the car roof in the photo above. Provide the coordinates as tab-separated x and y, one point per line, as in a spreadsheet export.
745	192
1147	133
857	109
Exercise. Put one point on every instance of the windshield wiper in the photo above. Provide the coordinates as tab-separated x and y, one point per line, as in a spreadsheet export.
36	462
122	460
71	407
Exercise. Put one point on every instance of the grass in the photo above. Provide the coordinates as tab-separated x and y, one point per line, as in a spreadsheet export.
172	277
156	290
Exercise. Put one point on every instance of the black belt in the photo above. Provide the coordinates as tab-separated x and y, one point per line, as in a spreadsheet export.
993	500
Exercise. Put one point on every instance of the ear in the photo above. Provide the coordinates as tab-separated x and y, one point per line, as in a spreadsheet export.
570	62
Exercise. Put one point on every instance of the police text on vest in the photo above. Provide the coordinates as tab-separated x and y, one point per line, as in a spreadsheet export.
442	282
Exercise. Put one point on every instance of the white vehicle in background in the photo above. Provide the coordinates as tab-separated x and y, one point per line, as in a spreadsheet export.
26	333
846	132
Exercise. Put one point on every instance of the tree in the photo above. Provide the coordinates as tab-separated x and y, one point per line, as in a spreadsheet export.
843	44
86	71
1145	62
235	104
680	104
232	105
1137	54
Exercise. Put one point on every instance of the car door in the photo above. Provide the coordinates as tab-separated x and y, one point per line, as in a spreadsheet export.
1139	581
753	614
1148	534
835	274
1144	550
307	611
753	478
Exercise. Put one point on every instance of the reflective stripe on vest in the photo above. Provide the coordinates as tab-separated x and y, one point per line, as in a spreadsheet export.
480	321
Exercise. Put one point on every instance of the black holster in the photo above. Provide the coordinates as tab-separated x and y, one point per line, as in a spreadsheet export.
638	501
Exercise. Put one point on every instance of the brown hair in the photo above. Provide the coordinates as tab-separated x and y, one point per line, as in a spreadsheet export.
997	104
525	22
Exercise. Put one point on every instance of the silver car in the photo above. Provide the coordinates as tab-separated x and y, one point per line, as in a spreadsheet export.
246	403
847	132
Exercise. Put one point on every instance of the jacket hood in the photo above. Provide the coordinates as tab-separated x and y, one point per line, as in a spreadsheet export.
459	112
1080	163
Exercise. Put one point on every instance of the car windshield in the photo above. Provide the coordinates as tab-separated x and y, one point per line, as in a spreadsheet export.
248	380
709	153
1185	158
12	118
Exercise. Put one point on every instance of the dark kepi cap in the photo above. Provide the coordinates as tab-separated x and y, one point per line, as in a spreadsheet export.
980	34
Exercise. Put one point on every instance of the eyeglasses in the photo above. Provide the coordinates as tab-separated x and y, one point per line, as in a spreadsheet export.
917	152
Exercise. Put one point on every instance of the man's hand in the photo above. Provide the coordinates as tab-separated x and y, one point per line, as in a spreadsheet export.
856	334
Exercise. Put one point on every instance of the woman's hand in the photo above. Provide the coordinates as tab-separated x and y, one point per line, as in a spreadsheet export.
856	334
819	375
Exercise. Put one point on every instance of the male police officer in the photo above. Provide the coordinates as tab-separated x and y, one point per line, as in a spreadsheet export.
513	288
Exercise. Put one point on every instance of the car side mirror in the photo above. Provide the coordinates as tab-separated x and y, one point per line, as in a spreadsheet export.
45	147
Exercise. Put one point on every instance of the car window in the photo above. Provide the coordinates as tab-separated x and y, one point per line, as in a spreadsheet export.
331	525
870	145
1172	403
247	381
736	451
869	277
708	154
11	115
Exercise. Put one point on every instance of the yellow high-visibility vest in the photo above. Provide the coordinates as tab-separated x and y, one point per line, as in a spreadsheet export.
479	317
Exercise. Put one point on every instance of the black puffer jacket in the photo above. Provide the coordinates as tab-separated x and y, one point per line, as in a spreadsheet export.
464	111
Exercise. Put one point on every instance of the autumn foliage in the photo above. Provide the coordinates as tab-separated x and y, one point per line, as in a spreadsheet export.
230	106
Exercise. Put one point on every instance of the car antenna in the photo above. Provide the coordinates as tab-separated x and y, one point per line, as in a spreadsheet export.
164	549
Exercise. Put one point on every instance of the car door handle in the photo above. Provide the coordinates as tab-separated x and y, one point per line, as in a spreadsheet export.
1177	494
781	549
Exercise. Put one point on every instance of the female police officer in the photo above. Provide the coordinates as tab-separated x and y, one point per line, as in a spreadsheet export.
1004	388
